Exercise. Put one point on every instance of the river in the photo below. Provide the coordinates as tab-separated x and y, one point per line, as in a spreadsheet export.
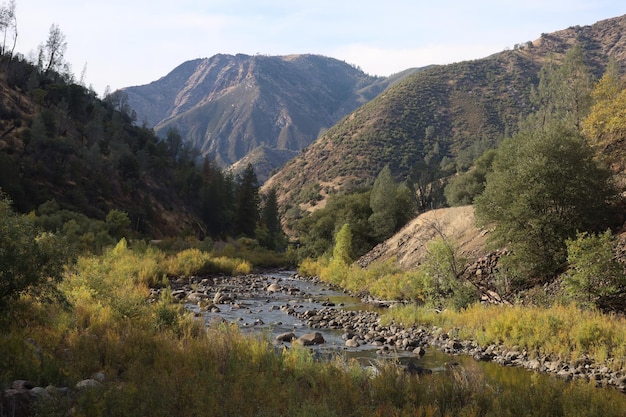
258	311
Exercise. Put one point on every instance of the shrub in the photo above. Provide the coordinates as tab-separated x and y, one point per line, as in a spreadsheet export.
30	261
594	272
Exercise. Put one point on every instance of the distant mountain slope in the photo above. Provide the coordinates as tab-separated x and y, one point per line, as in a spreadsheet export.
441	112
227	106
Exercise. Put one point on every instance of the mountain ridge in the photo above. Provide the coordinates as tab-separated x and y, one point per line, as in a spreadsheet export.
229	105
449	113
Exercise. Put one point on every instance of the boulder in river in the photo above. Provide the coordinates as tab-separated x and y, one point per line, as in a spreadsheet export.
309	339
286	337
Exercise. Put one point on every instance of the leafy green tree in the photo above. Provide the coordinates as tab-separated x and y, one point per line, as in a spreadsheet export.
30	261
440	276
118	223
342	251
405	204
544	187
464	188
392	205
594	272
317	231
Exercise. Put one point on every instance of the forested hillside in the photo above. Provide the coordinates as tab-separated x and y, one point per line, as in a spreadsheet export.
73	159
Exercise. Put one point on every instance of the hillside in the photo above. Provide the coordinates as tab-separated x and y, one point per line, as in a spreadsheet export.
408	247
227	106
447	113
62	146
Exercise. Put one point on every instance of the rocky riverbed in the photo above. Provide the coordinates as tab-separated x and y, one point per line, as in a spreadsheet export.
303	310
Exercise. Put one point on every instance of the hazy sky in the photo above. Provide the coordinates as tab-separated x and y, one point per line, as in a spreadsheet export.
133	42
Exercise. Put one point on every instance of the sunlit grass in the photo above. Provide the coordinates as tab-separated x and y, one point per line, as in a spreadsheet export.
561	330
160	361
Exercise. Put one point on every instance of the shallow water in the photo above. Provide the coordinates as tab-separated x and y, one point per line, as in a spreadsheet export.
260	313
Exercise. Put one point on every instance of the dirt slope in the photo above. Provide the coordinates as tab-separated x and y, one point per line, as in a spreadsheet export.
408	246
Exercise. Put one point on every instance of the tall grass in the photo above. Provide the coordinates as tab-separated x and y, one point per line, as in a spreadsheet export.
160	361
563	331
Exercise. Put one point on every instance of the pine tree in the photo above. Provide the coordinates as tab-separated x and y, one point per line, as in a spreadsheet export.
247	203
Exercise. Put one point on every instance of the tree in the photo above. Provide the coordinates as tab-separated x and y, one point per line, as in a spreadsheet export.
544	187
392	205
30	262
8	26
270	222
425	177
247	203
342	252
606	123
118	224
382	202
52	53
464	188
594	272
563	94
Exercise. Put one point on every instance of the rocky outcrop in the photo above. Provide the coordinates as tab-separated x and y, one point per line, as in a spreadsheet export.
19	400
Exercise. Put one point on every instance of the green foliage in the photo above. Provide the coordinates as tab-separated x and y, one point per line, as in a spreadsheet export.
462	190
247	203
593	273
382	203
88	156
392	205
82	233
563	94
545	186
343	245
30	261
317	231
118	223
269	232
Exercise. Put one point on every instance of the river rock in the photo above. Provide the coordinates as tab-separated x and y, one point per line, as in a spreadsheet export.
274	288
352	343
15	402
419	351
286	337
309	339
87	384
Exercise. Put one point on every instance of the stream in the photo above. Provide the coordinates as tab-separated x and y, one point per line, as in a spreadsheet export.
247	302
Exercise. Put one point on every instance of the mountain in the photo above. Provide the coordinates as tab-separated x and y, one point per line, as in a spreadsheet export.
228	106
449	114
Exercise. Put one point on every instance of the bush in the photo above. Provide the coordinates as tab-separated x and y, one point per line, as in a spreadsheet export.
594	272
30	261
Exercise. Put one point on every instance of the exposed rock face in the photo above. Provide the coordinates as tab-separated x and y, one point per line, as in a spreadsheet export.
228	106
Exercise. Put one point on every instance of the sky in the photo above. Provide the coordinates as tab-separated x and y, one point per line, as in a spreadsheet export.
123	43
